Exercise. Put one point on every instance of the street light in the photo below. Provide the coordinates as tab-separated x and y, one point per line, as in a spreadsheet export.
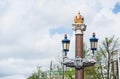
79	62
93	42
65	44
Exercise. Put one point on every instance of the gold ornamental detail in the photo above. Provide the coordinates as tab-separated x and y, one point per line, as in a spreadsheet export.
79	19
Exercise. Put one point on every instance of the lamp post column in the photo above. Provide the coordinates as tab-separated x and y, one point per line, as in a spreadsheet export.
79	27
79	73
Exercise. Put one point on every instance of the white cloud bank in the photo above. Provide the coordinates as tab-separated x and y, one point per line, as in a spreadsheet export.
25	39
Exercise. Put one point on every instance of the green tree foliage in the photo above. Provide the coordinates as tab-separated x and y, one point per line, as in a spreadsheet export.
105	57
55	71
109	48
89	72
38	75
70	73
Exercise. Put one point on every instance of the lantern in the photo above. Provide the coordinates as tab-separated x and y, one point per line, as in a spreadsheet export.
93	42
65	44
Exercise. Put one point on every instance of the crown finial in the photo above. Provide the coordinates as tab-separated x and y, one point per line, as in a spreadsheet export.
78	18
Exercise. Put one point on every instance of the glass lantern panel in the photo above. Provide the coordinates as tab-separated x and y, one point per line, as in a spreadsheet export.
92	44
64	46
95	44
67	45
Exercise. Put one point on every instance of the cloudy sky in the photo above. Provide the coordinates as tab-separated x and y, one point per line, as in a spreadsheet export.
31	30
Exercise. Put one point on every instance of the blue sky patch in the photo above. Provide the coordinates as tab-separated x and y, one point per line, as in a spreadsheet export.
116	8
61	30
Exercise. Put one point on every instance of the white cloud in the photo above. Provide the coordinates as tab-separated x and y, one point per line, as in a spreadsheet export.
25	39
21	67
14	77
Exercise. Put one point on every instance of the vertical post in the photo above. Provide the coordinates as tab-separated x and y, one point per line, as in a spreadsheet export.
65	43
64	55
79	73
63	73
79	27
118	65
51	69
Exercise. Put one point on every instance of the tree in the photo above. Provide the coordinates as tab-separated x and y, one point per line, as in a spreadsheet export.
70	73
38	75
89	72
105	67
108	49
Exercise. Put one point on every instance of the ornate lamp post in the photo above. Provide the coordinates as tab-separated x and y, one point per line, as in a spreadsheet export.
65	44
79	62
